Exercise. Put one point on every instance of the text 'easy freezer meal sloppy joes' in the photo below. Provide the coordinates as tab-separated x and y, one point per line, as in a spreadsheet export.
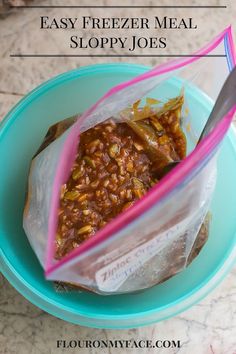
116	164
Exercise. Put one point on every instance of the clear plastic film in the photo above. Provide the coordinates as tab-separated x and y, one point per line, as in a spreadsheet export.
155	238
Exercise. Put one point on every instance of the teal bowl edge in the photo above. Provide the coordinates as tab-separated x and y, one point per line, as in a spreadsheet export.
38	299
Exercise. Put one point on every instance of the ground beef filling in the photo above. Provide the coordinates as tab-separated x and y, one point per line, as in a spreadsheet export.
113	169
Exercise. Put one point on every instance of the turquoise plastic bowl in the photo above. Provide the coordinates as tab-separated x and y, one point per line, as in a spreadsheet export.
21	134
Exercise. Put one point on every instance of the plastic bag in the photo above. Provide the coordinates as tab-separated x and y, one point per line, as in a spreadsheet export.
155	238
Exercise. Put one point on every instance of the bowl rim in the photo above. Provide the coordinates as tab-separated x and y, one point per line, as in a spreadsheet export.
28	291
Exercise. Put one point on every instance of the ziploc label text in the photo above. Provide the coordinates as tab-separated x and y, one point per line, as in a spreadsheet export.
113	275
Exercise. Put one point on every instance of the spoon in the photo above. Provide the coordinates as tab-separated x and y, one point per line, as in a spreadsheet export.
225	101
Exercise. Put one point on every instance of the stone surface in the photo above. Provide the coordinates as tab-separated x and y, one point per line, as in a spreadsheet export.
208	327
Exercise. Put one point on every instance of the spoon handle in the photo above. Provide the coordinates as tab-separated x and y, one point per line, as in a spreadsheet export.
225	101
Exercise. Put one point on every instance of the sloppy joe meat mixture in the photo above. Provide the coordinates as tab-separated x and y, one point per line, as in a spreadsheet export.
116	164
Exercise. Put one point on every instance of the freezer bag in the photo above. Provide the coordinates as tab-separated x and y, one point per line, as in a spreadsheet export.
160	234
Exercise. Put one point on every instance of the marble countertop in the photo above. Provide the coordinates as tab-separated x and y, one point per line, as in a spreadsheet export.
208	327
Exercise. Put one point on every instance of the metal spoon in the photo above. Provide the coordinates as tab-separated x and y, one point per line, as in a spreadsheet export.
225	101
